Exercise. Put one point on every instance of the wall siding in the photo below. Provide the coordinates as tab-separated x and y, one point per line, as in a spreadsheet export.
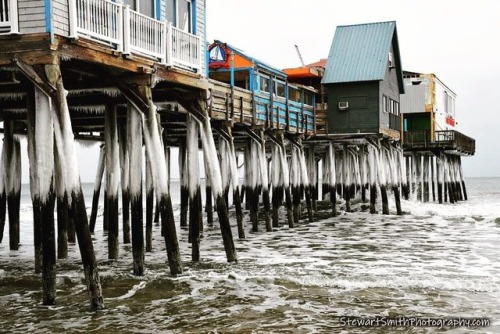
31	16
200	31
360	117
388	87
60	17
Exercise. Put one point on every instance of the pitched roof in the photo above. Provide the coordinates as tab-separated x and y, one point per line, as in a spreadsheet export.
360	53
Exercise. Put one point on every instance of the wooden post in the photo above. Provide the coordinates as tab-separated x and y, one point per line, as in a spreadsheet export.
277	185
65	149
3	200
208	200
295	180
184	182
156	156
306	183
35	195
346	178
12	170
253	186
112	178
426	178
193	177
372	167
62	212
433	178
312	174
464	189
332	177
135	156
382	178
406	184
440	176
149	205
97	188
264	176
125	181
213	172
233	169
41	155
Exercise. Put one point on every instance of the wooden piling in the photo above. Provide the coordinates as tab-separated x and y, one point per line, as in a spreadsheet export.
156	156
209	210
97	188
149	206
213	172
3	199
193	177
426	193
331	177
65	149
62	212
125	180
112	178
253	191
306	182
264	180
183	167
135	156
372	163
12	172
462	179
346	168
233	169
34	188
440	176
277	185
295	185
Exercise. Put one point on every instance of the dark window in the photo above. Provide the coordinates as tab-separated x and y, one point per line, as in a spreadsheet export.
280	89
293	94
263	84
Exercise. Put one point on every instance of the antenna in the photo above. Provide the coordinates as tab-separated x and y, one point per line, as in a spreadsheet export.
300	56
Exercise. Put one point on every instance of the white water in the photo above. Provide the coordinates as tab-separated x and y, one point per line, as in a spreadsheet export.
437	261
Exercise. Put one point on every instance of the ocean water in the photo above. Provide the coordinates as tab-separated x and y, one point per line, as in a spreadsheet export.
436	261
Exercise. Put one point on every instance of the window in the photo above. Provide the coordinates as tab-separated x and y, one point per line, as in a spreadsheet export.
263	83
179	13
391	60
293	94
385	101
146	7
308	98
280	89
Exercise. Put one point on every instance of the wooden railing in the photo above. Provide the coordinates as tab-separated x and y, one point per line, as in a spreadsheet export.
147	35
448	139
186	48
101	20
128	31
9	23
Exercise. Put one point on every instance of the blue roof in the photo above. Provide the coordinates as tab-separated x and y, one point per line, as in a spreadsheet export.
360	53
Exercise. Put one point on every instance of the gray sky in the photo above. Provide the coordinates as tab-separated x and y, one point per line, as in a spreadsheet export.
456	40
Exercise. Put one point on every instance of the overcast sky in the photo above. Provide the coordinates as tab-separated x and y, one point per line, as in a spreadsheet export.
456	40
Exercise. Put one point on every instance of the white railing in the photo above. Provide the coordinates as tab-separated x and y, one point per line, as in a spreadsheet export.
185	48
147	36
129	32
9	23
101	20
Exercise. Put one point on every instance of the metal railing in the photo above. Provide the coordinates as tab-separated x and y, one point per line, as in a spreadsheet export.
128	31
448	139
9	22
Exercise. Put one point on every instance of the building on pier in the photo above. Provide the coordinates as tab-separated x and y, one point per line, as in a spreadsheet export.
429	116
364	81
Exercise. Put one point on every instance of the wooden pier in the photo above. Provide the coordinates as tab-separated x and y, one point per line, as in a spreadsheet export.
128	81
